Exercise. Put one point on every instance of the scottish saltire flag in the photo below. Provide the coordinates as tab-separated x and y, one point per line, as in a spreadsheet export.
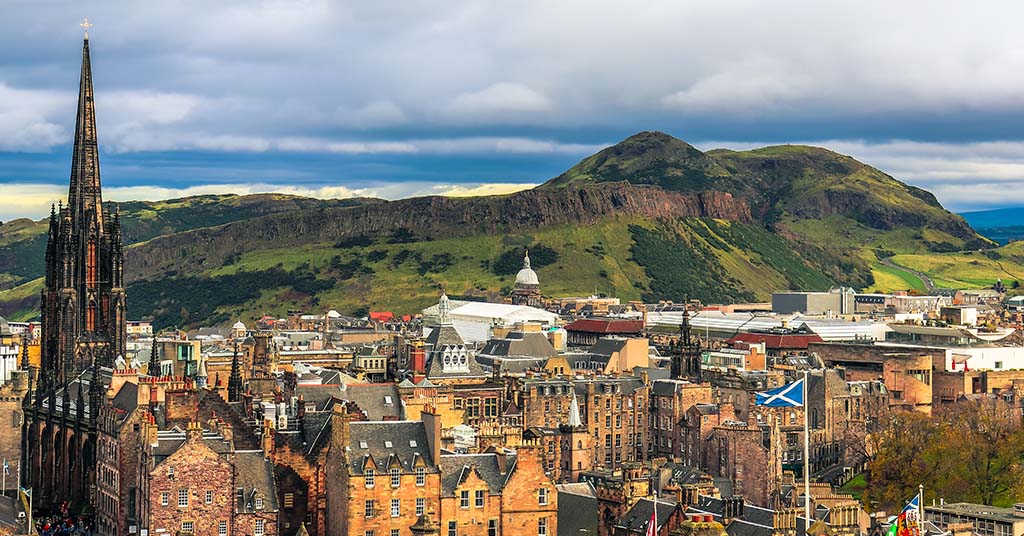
7	467
790	395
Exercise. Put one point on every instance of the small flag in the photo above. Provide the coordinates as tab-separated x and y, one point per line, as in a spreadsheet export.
7	467
790	395
652	525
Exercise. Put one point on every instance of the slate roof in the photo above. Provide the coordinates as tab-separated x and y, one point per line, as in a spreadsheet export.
577	510
319	395
667	387
637	518
520	344
168	442
606	325
606	346
794	341
455	469
373	398
444	335
371	439
253	472
127	399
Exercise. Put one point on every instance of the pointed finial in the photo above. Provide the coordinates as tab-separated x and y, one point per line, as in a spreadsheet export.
86	24
526	260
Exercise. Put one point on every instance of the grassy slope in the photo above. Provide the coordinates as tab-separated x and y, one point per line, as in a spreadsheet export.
23	241
595	258
969	269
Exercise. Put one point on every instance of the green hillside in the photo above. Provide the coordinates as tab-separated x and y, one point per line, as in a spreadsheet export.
23	241
631	258
649	218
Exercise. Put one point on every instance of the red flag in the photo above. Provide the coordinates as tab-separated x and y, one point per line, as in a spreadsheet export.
652	525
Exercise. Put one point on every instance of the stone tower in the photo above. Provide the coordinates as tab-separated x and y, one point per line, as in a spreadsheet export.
83	298
686	362
577	453
527	288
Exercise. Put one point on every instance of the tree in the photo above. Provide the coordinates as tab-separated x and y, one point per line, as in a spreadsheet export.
970	451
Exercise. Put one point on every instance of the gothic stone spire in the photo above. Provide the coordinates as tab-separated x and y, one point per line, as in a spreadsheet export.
235	380
84	197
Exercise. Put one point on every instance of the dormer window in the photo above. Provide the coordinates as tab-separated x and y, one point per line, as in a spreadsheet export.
259	503
369	476
396	477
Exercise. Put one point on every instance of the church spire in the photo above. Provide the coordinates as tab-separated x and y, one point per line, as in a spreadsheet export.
84	198
574	412
235	380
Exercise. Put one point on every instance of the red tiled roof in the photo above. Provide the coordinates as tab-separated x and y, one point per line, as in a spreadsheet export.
382	316
608	325
771	340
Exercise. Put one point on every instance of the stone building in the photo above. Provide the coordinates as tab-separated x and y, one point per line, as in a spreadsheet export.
527	287
497	492
699	421
614	409
749	456
83	326
83	298
670	400
384	475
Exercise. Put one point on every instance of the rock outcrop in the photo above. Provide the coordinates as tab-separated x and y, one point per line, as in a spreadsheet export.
426	217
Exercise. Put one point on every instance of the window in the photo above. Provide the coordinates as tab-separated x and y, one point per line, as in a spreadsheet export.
222	528
421	505
464	499
542	526
472	407
458	403
208	498
183	498
396	477
289	500
370	476
451	529
369	532
542	496
187	526
491	407
396	532
478	500
421	476
618	440
396	507
164	498
260	528
368	508
492	527
259	503
170	471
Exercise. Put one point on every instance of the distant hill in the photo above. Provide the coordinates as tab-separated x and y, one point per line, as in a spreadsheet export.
649	218
23	241
1003	225
995	218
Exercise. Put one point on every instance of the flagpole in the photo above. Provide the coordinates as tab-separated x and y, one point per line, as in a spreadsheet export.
807	462
920	508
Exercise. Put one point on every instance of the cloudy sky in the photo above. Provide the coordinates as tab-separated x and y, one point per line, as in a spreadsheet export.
397	98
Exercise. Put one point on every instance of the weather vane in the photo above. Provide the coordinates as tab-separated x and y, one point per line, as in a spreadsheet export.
86	24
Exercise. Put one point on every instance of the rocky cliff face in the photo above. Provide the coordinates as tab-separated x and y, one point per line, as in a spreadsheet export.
426	217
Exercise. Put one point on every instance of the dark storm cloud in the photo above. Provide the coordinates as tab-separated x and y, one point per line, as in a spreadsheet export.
354	94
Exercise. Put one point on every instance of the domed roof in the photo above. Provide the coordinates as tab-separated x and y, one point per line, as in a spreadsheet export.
527	276
238	325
